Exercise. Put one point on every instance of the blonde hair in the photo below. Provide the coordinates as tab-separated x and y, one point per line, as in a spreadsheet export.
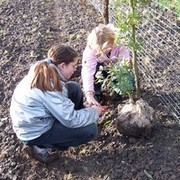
46	77
100	36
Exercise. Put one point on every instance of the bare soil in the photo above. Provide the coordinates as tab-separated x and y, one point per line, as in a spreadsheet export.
28	28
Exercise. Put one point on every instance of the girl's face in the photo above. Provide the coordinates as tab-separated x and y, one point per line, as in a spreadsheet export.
103	55
68	70
107	48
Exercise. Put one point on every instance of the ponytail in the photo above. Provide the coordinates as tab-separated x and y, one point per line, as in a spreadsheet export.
46	77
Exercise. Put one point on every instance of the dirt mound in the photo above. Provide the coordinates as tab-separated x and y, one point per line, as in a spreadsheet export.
28	28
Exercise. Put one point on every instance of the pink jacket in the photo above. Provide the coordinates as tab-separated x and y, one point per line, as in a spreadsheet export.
89	62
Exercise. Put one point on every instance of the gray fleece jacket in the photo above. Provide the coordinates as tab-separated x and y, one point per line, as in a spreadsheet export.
33	111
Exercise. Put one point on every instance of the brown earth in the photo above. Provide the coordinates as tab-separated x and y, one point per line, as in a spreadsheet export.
28	28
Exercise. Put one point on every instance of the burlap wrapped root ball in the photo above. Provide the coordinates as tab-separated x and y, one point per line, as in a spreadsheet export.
135	119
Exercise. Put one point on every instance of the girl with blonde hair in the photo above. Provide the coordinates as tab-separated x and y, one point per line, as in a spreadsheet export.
100	48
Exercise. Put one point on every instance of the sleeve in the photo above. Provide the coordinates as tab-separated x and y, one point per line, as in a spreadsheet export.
120	51
89	64
62	108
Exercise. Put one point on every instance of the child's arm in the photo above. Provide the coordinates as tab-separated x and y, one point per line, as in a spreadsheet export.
120	51
89	63
62	108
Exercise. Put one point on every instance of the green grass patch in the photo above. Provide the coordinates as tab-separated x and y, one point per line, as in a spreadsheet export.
170	4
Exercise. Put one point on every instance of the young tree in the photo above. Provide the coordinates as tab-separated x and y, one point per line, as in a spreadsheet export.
128	19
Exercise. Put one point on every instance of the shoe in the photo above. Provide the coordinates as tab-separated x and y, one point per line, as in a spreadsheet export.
43	155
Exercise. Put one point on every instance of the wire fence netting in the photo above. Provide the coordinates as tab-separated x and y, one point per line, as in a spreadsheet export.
159	57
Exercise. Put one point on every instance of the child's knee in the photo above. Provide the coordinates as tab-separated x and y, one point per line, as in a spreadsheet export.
73	86
91	132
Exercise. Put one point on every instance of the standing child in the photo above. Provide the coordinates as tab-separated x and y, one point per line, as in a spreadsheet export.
47	111
99	49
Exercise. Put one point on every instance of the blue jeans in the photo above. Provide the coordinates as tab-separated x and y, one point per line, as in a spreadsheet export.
61	137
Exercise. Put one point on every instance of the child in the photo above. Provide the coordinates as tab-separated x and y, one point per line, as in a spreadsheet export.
47	111
99	49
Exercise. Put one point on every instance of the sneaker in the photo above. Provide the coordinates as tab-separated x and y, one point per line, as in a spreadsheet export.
43	154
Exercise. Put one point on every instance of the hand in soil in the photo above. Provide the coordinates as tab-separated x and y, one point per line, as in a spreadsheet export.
104	108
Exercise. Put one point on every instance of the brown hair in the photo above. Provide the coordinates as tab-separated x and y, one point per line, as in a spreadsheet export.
46	77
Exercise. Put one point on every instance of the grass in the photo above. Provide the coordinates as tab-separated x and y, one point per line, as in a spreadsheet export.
170	4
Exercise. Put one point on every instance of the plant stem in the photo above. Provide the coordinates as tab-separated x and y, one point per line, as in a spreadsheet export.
134	52
131	100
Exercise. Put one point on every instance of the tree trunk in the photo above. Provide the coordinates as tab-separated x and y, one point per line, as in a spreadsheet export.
135	54
105	12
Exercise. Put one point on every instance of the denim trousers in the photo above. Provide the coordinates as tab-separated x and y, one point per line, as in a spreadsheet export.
61	137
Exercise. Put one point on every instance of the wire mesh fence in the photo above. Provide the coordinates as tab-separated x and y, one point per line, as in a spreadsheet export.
159	57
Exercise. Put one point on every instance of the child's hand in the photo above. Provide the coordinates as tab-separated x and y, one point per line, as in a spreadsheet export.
98	109
104	108
91	100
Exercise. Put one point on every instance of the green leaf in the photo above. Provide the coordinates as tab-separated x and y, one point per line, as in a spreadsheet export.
107	122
